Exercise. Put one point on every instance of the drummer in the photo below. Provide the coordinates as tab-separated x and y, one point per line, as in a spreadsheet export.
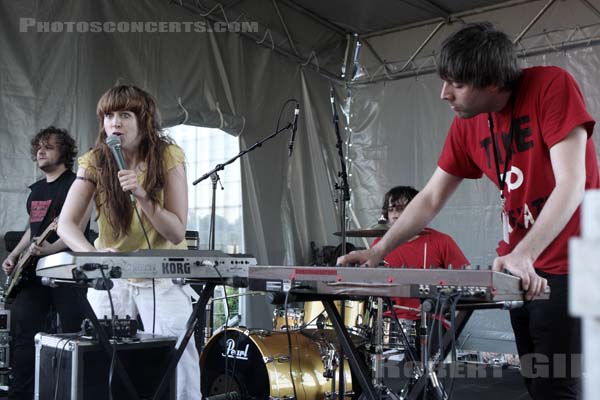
428	249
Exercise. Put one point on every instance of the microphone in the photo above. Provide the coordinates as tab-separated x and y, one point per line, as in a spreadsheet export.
114	143
294	127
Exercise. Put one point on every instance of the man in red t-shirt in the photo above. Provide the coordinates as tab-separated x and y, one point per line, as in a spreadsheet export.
529	132
427	249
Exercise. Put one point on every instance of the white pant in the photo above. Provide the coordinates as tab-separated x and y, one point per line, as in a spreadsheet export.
173	308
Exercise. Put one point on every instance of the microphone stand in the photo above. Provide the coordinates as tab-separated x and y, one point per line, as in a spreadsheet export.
220	167
214	176
344	196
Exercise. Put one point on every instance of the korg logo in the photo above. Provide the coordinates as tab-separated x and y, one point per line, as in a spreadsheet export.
176	268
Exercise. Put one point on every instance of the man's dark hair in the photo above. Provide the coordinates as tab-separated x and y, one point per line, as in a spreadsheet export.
479	55
402	194
66	144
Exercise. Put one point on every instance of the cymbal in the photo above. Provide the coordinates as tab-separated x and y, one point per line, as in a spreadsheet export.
374	231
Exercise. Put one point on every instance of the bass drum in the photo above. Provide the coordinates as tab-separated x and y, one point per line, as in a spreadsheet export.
257	365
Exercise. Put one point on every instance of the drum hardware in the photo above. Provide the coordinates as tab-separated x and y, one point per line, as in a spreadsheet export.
369	332
321	321
330	356
330	362
313	315
377	356
354	357
430	358
341	381
380	348
392	338
426	381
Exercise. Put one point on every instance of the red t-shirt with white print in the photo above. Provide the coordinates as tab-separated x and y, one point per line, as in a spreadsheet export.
548	105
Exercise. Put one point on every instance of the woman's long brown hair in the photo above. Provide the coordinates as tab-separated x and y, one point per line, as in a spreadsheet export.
110	198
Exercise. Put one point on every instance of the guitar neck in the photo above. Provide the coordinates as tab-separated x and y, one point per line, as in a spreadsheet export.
51	228
37	241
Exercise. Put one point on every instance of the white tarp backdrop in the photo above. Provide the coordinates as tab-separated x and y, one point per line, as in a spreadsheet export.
395	119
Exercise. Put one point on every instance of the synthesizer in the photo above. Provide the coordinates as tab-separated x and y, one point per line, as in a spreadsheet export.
470	284
187	264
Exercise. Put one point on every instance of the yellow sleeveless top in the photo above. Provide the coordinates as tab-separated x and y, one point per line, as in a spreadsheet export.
135	240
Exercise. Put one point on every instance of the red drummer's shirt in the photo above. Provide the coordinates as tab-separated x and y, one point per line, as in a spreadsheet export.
431	249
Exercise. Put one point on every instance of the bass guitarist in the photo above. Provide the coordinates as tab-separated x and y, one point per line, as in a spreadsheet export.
54	152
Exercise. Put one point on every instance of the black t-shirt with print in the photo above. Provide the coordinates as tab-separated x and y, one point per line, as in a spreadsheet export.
46	201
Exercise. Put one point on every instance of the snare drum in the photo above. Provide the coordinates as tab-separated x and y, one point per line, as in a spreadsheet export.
295	318
257	364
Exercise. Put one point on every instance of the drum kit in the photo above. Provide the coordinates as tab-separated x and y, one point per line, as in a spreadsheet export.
299	358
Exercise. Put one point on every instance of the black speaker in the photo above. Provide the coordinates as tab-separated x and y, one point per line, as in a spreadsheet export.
69	367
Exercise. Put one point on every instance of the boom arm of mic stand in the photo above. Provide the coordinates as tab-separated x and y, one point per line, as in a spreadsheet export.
221	167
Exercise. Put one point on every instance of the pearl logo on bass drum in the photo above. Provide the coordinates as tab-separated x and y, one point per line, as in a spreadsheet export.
176	268
232	352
